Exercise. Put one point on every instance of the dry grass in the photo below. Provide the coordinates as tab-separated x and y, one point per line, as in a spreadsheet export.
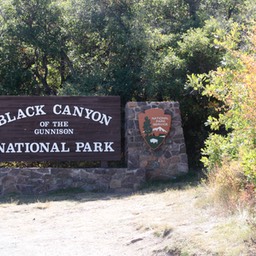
228	190
42	206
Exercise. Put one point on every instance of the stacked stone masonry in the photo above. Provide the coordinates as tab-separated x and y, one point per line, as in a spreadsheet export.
44	180
170	159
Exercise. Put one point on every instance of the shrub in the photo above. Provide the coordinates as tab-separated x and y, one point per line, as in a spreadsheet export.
234	86
229	188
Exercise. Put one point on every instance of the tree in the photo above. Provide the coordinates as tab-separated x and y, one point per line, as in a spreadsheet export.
38	45
13	78
147	126
109	48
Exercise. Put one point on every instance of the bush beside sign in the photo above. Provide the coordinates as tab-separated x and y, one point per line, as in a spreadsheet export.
59	128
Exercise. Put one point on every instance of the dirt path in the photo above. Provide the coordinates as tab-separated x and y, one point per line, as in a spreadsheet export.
137	225
102	227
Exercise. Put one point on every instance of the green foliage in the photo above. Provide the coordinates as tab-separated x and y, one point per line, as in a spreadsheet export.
224	10
249	163
168	16
140	50
198	44
35	36
214	151
147	126
234	86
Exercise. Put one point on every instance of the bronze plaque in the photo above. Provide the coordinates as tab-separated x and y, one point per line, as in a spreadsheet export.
59	128
154	126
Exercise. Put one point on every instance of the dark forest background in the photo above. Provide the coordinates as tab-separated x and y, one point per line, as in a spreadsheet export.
144	50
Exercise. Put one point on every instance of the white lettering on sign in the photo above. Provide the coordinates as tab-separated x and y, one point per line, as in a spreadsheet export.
60	123
38	110
53	131
94	147
40	147
22	113
96	116
55	147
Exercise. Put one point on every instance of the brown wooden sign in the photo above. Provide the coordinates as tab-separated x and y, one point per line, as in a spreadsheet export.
59	128
154	126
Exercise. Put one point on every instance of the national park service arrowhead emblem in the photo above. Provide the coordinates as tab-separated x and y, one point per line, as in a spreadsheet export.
154	126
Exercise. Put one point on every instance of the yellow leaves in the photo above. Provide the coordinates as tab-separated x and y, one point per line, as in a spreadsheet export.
237	87
229	40
234	85
247	78
213	122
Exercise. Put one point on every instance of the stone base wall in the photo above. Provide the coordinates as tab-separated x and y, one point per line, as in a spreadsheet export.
44	180
167	162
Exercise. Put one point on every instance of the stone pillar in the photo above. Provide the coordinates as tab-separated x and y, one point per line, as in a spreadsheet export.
166	162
